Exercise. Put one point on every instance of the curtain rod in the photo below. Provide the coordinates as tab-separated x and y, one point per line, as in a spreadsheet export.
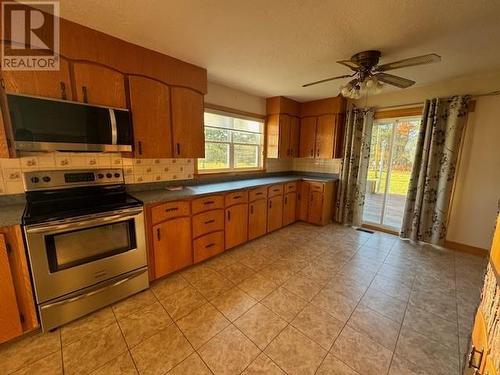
491	93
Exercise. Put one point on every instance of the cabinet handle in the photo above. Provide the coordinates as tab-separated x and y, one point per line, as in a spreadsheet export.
471	358
178	148
140	147
228	215
317	153
158	236
298	196
312	152
312	197
259	193
171	209
270	204
210	221
209	245
286	200
251	209
208	202
63	90
85	96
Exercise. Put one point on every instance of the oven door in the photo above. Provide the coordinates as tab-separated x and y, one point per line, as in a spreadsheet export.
76	253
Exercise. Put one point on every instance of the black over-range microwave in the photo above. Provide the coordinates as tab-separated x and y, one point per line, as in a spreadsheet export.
41	124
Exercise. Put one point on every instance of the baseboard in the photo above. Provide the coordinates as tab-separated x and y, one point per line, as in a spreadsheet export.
466	248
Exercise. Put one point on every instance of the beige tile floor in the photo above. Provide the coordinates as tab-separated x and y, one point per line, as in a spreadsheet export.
303	300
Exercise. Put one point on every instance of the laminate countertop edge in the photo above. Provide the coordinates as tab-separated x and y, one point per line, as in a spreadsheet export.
164	195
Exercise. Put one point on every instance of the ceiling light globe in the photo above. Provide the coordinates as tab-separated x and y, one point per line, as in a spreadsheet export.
369	83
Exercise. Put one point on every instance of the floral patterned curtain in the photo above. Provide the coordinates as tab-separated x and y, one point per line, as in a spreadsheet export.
431	183
357	139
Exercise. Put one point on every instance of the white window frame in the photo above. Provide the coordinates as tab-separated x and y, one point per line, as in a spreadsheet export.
231	144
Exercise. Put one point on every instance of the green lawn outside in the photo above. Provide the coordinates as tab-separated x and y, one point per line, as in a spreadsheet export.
398	184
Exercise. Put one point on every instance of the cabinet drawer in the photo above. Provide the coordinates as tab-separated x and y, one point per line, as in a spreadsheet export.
316	186
236	197
274	190
257	193
169	210
208	203
207	222
207	246
290	187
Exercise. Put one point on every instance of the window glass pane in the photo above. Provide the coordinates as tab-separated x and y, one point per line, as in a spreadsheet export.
215	134
246	156
216	156
218	121
251	126
242	137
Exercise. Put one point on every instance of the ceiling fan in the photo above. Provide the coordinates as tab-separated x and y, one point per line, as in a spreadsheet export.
369	75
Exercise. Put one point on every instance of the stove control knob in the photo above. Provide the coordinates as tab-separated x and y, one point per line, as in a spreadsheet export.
117	175
100	175
46	179
35	180
109	175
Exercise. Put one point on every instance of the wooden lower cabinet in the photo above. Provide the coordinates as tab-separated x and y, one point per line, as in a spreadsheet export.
315	209
315	201
302	200
289	208
207	246
236	228
257	219
172	246
274	213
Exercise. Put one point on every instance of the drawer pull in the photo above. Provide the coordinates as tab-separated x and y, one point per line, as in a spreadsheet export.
171	209
209	245
259	193
237	197
210	221
208	202
276	190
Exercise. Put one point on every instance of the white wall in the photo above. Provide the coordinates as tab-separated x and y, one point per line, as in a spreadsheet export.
232	98
477	189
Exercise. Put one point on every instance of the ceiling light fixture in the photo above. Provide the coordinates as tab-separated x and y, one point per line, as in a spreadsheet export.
357	87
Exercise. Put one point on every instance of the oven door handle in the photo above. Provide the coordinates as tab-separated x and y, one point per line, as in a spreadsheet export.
105	219
98	290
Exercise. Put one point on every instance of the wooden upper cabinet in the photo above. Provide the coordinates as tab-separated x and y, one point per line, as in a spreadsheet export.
187	123
272	136
236	228
294	136
172	246
307	137
97	84
10	322
257	218
150	107
325	133
50	84
284	150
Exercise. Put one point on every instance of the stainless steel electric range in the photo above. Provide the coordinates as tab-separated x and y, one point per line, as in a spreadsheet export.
86	242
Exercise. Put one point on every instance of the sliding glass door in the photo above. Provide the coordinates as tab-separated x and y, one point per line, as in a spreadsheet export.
392	152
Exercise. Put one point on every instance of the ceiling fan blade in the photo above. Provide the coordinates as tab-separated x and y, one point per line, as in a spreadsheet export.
412	61
394	80
350	64
326	80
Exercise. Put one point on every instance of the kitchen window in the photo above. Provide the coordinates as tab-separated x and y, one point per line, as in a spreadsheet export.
232	143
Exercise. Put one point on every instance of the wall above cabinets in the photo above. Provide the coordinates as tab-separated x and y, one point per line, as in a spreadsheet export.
165	95
305	130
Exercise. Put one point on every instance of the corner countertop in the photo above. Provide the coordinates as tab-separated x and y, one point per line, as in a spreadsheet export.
11	214
164	195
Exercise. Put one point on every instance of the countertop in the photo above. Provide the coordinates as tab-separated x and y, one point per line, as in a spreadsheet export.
11	214
164	195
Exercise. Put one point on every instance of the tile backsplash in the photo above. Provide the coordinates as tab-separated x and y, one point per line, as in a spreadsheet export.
135	170
317	165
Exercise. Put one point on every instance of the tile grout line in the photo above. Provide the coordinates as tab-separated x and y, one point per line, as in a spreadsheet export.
126	343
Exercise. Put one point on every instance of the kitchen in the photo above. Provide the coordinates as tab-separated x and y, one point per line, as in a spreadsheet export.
145	229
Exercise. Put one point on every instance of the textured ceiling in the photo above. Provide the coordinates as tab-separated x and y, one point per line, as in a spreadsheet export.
272	47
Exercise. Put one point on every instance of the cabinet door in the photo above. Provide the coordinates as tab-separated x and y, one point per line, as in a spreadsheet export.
339	136
236	225
289	208
172	245
307	137
257	219
49	84
10	322
187	123
303	201
275	213
284	137
315	210
294	136
150	106
96	84
325	137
